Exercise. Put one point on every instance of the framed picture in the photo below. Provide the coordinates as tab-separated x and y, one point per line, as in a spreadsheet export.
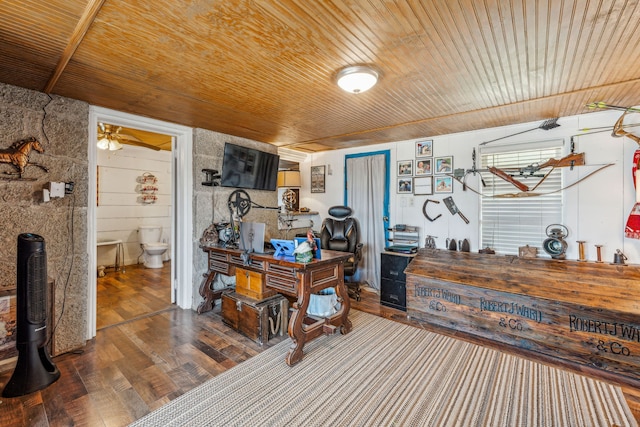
424	166
405	185
424	148
423	186
405	168
443	184
444	164
317	179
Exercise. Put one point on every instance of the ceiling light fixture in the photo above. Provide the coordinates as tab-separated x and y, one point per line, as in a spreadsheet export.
106	139
107	143
357	79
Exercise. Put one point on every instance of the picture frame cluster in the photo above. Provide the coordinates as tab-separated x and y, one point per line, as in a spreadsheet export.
426	174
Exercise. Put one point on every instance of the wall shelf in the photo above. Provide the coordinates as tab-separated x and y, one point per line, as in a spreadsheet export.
296	219
404	239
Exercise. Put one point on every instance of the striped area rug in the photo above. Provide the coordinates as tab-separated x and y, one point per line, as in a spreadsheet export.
388	374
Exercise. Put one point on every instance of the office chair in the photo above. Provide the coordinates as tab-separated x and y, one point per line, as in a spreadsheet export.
342	233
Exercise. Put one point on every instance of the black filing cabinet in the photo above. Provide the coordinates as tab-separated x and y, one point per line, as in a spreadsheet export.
393	283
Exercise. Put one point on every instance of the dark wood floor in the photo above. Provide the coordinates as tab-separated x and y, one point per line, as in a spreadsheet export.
146	353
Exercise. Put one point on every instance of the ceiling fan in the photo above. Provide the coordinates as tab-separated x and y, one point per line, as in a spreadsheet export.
110	138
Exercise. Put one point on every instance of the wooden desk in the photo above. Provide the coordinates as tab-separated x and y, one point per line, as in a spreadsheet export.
295	279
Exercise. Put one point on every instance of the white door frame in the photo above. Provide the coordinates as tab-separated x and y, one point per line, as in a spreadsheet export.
182	196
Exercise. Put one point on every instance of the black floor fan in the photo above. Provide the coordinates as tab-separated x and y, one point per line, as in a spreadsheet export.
34	369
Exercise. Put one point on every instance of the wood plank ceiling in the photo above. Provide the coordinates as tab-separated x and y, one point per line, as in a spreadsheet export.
265	70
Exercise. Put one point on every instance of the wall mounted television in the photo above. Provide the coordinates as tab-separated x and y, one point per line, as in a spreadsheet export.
244	167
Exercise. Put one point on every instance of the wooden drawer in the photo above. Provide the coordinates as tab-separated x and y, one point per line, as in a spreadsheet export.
257	320
393	293
251	284
392	266
253	263
218	262
282	278
324	277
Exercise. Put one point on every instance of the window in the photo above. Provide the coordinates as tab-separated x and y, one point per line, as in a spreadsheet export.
508	221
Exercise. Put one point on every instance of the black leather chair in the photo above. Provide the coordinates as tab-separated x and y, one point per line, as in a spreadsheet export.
341	232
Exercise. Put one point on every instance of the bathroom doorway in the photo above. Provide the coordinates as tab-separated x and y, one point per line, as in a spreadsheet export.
180	208
134	218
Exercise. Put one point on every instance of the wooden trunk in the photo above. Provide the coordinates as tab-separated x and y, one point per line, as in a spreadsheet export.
259	320
582	315
252	284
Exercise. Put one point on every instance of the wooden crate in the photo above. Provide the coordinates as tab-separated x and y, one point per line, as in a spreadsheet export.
260	320
569	313
251	284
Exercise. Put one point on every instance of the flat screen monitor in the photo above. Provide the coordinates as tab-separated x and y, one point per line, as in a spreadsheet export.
244	167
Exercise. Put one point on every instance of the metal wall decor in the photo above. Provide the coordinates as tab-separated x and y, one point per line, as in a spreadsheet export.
148	188
17	155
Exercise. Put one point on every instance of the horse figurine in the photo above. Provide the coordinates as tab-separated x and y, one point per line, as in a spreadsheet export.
18	155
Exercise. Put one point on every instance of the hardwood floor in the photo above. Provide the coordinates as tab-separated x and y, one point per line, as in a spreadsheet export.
138	291
146	353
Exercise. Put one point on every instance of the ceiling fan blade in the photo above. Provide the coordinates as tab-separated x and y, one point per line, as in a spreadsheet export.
124	136
138	143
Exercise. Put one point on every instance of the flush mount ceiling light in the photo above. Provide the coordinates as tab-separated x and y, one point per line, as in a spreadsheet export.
357	79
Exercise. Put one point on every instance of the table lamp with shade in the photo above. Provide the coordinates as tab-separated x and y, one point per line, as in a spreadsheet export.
290	179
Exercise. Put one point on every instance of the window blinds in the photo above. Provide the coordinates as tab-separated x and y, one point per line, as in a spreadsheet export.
506	223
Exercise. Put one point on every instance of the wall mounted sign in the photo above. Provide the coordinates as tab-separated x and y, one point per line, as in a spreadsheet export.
317	179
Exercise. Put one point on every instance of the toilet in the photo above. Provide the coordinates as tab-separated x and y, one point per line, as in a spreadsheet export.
149	238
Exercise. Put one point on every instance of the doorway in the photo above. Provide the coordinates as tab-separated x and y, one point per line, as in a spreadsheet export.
182	213
133	206
367	193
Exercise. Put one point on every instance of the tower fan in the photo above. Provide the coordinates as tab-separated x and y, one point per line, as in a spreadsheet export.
34	369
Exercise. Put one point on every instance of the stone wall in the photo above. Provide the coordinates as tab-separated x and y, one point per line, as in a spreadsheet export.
210	203
61	125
